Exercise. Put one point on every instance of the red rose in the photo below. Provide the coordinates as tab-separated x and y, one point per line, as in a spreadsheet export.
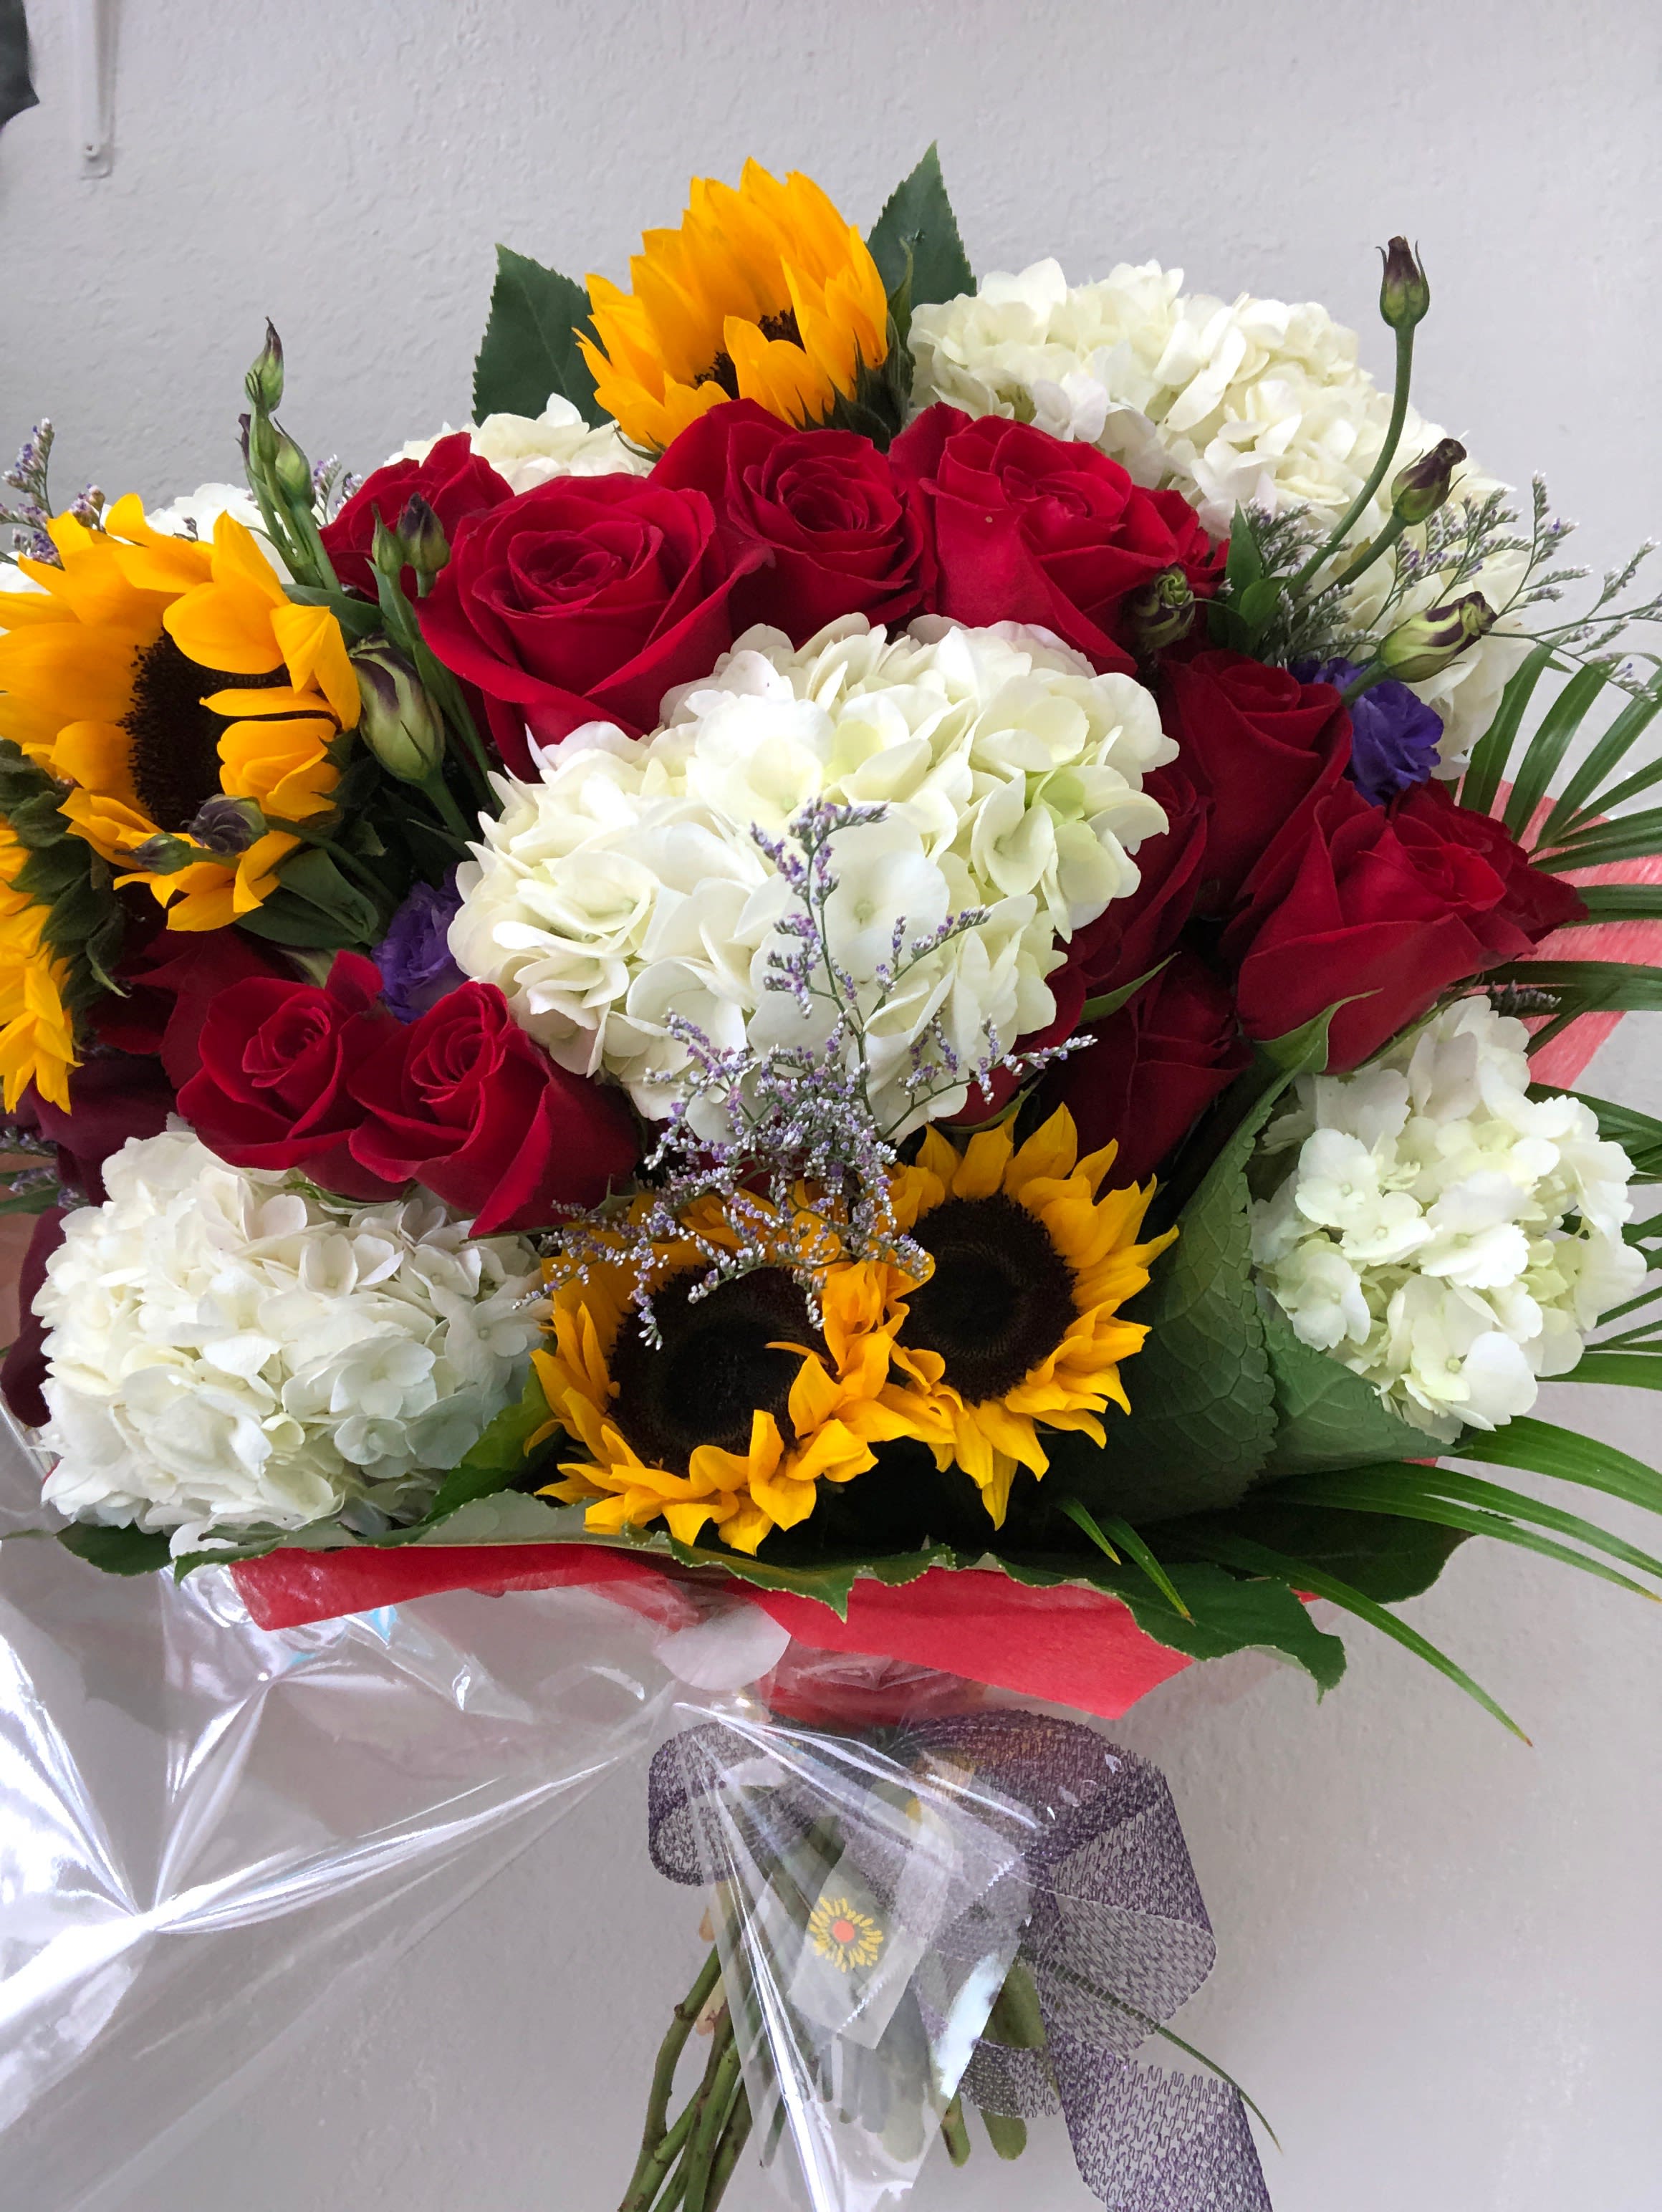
465	1102
453	480
171	984
1397	902
836	529
584	600
1258	742
1029	528
271	1091
1155	1066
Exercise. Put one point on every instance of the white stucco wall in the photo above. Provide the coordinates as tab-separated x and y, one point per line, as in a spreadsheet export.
1440	1951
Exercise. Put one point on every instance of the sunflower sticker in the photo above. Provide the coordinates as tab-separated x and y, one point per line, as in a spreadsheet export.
839	1931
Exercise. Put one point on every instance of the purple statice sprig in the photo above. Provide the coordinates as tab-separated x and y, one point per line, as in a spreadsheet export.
804	1175
27	518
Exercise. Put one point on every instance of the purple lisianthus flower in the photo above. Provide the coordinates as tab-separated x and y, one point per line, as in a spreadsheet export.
1394	736
414	958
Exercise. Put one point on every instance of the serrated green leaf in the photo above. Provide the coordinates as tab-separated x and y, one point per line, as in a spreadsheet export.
529	351
117	1550
497	1460
1492	752
1325	1415
917	238
1304	1574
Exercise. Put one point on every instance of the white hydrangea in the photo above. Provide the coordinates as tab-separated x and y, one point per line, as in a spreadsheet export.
625	886
527	449
226	1353
1442	1232
1250	403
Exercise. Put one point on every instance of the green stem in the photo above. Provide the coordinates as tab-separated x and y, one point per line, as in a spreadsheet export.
1370	675
954	2133
735	2136
714	2107
449	813
305	524
1369	554
1387	453
663	2074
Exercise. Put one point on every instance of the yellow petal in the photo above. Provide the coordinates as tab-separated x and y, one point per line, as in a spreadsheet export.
316	654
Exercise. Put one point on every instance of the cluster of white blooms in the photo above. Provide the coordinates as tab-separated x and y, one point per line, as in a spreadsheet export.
226	1353
527	449
1442	1232
1253	403
626	886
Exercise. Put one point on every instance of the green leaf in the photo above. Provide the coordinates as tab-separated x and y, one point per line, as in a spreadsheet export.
1629	837
1304	1574
1110	1002
1130	1544
1481	1509
917	238
1629	1370
529	351
1586	987
1387	1558
117	1550
497	1460
40	1199
314	906
1580	796
359	618
1492	752
1618	902
1542	1448
1258	603
1325	1415
1244	565
1226	1615
1547	748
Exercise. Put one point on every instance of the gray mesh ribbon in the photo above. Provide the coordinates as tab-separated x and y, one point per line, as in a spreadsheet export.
1115	1936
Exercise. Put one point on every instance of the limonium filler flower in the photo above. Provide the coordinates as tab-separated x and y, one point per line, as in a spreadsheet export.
1441	1232
229	1353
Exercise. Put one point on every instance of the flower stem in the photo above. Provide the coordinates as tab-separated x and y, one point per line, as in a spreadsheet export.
733	2139
713	2109
1393	438
655	2135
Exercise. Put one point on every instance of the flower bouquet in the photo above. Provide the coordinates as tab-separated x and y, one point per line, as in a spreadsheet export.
889	969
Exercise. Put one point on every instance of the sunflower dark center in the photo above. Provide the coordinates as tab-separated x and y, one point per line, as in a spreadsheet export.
1000	1297
175	738
721	370
714	1368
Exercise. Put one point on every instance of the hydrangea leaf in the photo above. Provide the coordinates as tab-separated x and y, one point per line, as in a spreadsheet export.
917	238
497	1460
1386	1558
1326	1416
117	1550
529	351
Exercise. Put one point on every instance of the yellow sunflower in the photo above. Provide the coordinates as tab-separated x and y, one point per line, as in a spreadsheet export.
37	1038
740	1412
1018	1322
153	673
762	294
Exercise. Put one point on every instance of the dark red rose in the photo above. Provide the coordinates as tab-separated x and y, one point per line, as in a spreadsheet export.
1397	902
1029	528
170	985
1155	1066
1257	742
1131	935
837	532
453	480
465	1102
584	600
23	1372
273	1090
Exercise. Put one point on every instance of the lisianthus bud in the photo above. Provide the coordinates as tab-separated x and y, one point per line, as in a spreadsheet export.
293	471
1421	489
1425	644
264	382
387	553
1161	612
399	723
162	856
260	442
425	545
1404	294
225	826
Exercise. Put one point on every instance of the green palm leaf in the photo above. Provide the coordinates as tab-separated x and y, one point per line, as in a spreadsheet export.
1547	748
1489	755
1580	800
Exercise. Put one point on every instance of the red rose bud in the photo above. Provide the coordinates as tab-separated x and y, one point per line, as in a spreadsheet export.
1424	645
838	530
264	382
1418	490
1030	528
1404	294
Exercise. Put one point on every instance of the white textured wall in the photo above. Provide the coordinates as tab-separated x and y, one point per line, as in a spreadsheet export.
1439	1950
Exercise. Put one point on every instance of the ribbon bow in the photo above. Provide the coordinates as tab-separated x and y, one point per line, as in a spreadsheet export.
928	1867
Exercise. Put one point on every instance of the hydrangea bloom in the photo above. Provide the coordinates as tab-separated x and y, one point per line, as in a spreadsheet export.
1253	402
231	1353
626	886
1442	1232
527	449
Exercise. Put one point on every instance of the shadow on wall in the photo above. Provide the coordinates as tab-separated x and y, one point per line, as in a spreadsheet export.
17	91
